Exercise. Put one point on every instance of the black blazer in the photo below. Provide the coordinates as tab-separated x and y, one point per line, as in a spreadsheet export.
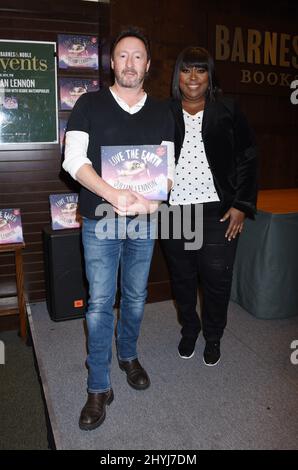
230	150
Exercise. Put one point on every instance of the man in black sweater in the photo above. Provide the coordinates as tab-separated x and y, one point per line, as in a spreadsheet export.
120	115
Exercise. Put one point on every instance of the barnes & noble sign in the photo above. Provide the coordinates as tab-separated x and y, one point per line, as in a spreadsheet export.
260	58
28	92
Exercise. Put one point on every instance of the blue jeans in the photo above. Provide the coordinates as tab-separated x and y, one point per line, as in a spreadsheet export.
109	244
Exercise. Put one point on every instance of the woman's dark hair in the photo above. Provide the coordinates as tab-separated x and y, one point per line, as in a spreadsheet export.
195	57
135	33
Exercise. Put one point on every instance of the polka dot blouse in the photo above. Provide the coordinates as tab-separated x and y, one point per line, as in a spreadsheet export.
193	179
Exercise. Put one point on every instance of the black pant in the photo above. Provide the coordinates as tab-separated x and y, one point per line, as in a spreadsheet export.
213	263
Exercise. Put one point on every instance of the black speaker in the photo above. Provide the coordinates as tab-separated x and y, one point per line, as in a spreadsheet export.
66	284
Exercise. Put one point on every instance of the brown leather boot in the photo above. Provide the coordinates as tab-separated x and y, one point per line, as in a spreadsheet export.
94	412
137	377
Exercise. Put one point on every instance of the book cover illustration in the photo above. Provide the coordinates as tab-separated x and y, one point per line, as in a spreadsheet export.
64	211
11	226
142	168
76	51
70	89
62	130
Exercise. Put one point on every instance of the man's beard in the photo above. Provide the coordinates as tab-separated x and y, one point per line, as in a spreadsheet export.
130	81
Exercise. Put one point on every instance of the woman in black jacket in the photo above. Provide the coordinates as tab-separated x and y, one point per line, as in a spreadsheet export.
216	168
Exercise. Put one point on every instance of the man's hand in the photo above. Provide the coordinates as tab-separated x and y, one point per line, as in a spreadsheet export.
121	199
141	205
236	222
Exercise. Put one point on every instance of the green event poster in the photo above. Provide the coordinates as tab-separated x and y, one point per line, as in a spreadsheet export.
28	92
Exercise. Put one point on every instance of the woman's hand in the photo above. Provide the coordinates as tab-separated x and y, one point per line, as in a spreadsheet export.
236	222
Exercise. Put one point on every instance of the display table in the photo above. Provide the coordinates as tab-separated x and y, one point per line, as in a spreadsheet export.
266	265
17	248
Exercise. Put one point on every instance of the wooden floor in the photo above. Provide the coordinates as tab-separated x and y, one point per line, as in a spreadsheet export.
278	201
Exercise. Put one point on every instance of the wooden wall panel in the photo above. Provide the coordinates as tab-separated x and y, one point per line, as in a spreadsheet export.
29	176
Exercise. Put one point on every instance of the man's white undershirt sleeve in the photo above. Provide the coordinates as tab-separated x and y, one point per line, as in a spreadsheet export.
75	155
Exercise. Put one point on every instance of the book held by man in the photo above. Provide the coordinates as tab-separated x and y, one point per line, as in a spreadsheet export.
143	169
10	226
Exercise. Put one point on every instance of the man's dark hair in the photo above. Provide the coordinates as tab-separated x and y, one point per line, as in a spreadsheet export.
135	33
195	57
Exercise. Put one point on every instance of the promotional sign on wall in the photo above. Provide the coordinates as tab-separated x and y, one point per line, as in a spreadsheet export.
28	92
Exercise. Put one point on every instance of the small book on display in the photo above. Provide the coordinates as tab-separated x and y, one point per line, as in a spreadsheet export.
64	211
72	88
77	51
11	226
141	168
